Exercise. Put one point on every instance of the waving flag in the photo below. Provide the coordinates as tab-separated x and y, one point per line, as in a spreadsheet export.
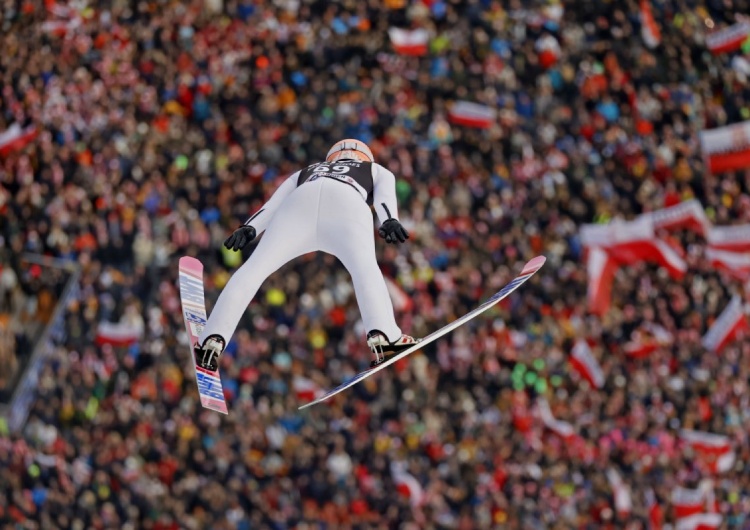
401	300
731	322
548	50
633	242
625	243
687	501
621	492
407	484
655	513
472	115
601	268
584	362
728	39
736	264
726	148
62	19
735	238
653	251
646	339
118	334
650	31
561	428
687	214
409	42
15	138
305	389
703	521
714	450
60	28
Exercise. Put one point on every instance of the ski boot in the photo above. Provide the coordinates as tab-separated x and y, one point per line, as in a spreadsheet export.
207	356
383	349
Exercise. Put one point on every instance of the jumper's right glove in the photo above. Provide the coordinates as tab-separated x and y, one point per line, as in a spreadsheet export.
240	238
393	232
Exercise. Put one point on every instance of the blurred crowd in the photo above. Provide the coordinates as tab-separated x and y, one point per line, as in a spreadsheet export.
28	295
155	128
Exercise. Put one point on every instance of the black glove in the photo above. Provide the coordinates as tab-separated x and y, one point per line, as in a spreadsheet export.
393	232
240	237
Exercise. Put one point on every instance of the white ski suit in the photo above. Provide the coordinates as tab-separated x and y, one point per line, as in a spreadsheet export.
322	207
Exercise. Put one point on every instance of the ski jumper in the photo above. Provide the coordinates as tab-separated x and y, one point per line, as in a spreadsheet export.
325	207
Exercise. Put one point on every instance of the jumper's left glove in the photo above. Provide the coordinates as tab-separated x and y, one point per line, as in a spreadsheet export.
240	238
393	232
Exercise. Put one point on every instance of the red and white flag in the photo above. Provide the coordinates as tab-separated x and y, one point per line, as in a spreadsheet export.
561	428
646	339
736	264
601	269
633	242
703	521
60	28
728	39
407	484
735	238
650	31
548	50
401	300
730	324
305	389
15	138
687	501
714	450
58	10
621	492
409	41
652	251
688	214
655	513
626	243
583	361
118	334
63	19
472	115
726	148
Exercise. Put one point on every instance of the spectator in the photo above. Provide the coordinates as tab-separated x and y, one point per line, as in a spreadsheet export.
142	132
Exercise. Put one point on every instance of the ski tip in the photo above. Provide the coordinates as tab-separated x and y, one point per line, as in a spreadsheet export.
190	263
533	265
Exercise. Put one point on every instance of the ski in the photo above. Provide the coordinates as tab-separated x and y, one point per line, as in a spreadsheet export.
194	314
528	271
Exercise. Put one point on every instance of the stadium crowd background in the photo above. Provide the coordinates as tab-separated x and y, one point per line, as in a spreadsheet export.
161	125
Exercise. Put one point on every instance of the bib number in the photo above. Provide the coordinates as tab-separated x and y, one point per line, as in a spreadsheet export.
327	168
